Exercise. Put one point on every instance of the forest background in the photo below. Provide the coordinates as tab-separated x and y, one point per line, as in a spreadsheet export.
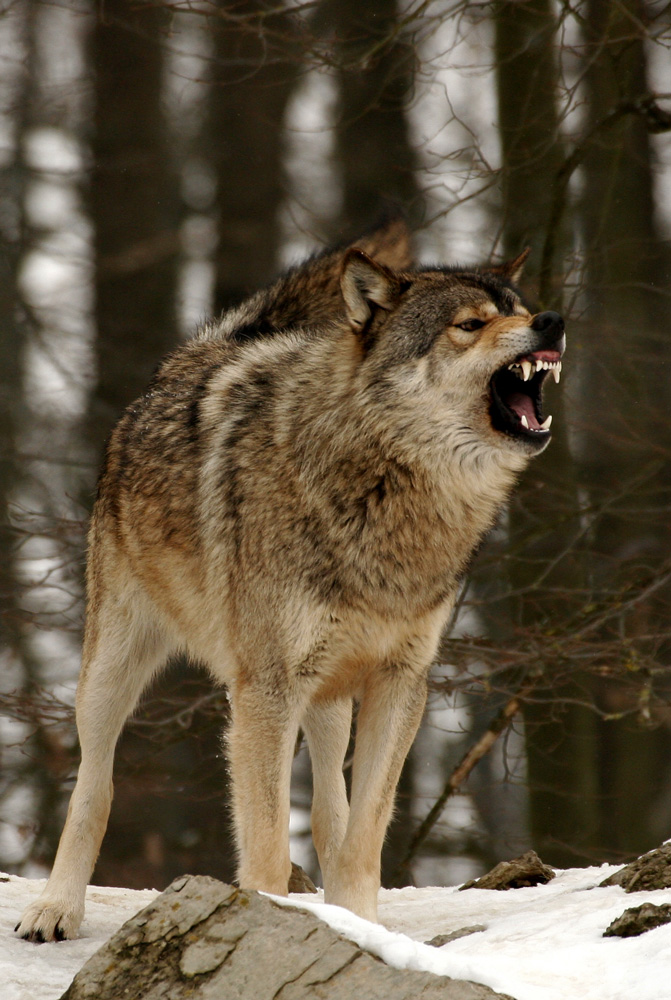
161	159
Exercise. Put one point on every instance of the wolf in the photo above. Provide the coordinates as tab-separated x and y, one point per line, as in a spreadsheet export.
294	502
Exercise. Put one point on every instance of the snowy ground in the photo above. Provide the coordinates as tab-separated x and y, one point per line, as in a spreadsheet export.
543	943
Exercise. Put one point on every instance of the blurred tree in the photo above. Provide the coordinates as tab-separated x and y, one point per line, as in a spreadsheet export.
256	61
560	772
625	375
375	60
40	769
134	205
527	88
13	326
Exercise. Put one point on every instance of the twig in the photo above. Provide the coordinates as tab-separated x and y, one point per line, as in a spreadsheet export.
656	120
498	725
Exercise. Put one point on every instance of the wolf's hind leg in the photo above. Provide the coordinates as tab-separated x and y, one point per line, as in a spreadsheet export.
389	716
122	648
327	728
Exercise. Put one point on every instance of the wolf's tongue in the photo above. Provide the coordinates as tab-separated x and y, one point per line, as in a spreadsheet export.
522	405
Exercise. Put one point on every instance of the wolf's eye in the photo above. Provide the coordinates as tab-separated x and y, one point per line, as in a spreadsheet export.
470	325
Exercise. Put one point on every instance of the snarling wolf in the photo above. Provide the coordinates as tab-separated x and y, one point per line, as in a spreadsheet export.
294	502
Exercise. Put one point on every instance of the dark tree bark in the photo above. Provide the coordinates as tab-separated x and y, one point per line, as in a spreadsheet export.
625	376
252	81
134	208
12	404
531	150
40	764
375	67
560	780
624	253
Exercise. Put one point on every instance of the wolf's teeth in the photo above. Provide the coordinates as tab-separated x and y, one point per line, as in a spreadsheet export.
525	369
525	422
545	426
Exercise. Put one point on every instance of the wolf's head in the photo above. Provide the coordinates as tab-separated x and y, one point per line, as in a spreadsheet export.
462	342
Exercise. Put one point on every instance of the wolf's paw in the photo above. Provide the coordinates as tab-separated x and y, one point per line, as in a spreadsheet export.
49	921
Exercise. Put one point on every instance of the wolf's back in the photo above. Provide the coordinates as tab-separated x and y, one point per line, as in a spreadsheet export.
308	295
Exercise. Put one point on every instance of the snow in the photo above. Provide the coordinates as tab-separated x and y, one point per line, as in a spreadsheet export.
541	943
44	971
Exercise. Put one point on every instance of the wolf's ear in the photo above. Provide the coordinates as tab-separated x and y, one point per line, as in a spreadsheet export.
511	270
389	243
365	284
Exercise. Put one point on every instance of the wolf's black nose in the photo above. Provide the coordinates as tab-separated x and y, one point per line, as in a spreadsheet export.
549	323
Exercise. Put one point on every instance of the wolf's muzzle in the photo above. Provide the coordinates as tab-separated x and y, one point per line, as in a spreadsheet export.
550	326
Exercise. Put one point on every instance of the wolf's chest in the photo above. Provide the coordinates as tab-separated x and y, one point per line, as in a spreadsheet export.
404	558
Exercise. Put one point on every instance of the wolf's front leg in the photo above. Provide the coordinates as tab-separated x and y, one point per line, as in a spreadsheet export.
58	911
261	746
389	716
117	663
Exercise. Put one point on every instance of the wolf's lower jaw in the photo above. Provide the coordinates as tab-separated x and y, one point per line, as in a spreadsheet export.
545	426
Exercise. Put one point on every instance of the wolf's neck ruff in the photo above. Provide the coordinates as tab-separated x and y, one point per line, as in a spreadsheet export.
294	502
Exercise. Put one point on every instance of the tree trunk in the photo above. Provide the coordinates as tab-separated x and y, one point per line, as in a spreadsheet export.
38	767
625	376
251	85
134	209
561	775
375	66
531	150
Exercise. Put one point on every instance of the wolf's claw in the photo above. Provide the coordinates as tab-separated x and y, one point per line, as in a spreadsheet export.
42	922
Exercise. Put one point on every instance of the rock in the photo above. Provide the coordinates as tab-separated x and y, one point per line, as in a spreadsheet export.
204	939
440	939
299	880
524	871
639	919
650	871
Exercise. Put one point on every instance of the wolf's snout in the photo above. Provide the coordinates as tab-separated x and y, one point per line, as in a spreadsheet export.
548	323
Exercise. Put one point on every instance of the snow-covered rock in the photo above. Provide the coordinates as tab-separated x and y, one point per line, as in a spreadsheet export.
540	943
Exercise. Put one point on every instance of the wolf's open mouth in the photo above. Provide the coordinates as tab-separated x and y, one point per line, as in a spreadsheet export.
516	395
